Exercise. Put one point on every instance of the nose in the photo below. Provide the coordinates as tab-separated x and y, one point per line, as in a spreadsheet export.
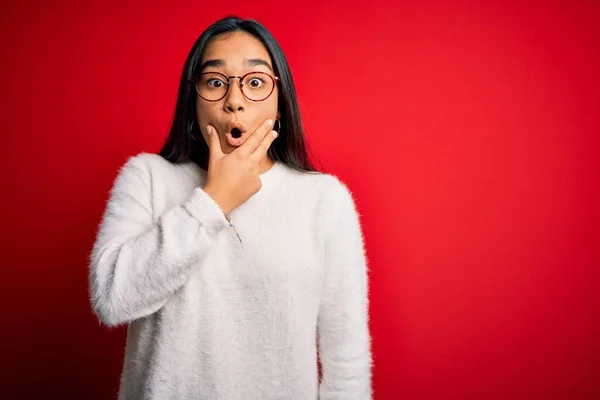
234	100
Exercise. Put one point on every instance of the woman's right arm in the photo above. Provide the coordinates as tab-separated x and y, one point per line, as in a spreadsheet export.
138	263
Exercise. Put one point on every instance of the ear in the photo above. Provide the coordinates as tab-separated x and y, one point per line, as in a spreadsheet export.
278	114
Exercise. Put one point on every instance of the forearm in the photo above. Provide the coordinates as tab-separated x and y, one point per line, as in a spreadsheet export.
138	261
134	273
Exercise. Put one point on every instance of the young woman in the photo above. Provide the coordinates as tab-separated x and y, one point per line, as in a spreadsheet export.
237	266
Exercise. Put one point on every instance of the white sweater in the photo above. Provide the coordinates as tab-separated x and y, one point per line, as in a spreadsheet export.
213	315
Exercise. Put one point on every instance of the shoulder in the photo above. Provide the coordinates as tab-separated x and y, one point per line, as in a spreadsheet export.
146	163
139	173
151	166
326	186
336	200
341	220
337	193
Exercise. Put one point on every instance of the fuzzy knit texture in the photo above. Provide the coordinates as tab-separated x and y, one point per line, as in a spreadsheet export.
234	312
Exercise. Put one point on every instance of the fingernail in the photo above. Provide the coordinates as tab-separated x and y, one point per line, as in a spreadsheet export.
269	122
208	130
274	133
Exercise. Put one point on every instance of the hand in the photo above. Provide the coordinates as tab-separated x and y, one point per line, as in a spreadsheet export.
233	178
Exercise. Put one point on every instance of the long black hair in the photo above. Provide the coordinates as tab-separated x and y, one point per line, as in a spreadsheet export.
185	143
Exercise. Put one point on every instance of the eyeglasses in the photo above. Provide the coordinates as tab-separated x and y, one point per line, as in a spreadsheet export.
214	86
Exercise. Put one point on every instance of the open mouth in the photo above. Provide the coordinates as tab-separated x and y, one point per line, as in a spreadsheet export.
236	133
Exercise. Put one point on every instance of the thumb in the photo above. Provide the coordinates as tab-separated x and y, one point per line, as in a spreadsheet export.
214	143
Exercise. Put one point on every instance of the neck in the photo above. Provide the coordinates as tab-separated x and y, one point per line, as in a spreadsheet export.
265	164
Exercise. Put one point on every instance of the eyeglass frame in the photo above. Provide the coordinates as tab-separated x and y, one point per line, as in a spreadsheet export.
274	78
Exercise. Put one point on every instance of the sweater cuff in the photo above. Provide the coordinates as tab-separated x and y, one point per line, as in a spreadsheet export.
207	211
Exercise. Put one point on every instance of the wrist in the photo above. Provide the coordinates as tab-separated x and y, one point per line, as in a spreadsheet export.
219	199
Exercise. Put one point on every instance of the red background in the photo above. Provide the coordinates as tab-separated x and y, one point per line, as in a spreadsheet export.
467	132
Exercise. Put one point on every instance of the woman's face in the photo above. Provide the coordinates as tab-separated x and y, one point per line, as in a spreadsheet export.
235	54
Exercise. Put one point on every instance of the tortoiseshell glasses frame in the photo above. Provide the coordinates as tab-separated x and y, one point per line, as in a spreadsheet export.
227	80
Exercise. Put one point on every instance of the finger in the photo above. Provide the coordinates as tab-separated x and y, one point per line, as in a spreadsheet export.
255	138
214	143
264	145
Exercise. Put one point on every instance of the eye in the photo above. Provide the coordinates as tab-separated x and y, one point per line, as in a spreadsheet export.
215	83
256	82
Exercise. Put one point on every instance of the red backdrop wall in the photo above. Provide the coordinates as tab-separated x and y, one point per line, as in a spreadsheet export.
468	133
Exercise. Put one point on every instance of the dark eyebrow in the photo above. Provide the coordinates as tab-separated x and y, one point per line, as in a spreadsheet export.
211	63
253	62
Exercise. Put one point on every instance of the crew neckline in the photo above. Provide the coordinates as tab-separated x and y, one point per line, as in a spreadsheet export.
272	173
267	177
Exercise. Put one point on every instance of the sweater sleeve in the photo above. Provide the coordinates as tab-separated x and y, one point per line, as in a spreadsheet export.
138	262
344	339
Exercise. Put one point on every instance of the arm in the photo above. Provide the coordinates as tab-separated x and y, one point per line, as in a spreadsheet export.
344	339
138	263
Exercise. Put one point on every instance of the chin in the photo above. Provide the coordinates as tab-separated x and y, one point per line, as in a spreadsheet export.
228	149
